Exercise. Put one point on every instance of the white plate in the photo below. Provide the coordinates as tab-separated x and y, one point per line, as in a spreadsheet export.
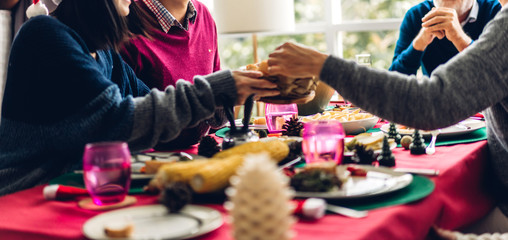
463	127
138	161
238	123
153	222
393	145
379	180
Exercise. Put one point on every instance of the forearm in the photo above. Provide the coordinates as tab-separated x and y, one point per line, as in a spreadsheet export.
218	120
453	92
160	116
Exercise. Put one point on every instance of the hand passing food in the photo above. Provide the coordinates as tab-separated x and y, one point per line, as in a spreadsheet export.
295	60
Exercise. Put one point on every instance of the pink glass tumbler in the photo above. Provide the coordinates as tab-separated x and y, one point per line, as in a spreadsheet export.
323	141
107	171
277	114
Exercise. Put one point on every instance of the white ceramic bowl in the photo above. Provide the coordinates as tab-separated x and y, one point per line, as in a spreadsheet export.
359	126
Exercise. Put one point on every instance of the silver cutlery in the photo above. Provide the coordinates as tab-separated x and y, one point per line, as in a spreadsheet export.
462	126
419	171
348	212
290	163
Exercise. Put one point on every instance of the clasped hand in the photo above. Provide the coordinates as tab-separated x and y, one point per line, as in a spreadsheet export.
441	22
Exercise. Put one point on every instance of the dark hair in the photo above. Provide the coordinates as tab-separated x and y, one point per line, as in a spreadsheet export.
100	25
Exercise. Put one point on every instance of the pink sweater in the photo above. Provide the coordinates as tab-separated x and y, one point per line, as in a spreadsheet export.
175	55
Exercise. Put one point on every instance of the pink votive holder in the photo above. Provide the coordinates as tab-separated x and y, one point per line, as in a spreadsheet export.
323	141
277	114
107	171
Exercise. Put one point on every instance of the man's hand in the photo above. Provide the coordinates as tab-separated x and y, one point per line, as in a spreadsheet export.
248	82
425	37
446	20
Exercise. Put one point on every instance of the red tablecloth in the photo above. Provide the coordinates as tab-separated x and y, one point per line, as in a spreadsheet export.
457	201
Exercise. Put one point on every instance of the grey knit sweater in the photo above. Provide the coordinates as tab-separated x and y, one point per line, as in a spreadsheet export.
473	81
58	98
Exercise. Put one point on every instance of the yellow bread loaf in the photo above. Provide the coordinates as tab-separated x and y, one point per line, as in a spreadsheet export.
278	150
215	176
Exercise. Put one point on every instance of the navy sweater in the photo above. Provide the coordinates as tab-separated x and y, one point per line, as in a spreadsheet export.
407	60
58	98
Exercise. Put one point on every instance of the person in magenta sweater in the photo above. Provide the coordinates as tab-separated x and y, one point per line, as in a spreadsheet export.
183	44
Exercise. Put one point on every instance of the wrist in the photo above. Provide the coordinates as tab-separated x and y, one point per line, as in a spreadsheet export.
462	42
419	45
318	63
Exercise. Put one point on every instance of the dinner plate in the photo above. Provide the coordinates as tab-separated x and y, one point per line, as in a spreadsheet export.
379	181
463	127
153	222
393	145
138	161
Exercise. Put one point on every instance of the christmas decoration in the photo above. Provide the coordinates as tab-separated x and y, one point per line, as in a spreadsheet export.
262	133
208	146
393	133
293	127
363	155
406	141
60	192
36	9
175	196
418	146
259	201
386	158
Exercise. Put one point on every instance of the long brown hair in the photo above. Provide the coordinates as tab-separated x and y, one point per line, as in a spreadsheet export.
99	24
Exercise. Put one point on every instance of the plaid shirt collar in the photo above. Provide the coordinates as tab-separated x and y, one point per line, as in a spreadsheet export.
166	20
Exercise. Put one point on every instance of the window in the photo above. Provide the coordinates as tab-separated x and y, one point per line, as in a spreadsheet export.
340	27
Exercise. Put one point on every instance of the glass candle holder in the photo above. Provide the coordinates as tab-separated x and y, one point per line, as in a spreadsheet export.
277	114
323	141
107	171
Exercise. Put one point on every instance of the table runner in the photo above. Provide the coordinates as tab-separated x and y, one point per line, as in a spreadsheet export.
419	188
459	199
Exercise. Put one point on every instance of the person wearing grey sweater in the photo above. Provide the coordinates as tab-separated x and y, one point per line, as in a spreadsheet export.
473	81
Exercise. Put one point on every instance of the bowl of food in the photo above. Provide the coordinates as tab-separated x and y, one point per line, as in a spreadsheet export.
354	121
359	126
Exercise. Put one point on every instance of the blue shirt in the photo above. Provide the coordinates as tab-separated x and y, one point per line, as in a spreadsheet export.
407	60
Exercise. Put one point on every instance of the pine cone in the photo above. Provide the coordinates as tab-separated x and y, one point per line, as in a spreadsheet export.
208	146
364	156
293	127
175	196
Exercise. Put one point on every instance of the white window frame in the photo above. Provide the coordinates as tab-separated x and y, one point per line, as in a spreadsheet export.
331	27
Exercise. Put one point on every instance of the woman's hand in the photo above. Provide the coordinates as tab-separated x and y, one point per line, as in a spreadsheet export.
295	60
249	82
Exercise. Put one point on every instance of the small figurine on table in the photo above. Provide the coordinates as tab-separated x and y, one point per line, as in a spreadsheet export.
418	146
393	133
386	158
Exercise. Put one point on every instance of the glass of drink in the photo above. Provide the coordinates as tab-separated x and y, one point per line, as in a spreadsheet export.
277	114
323	141
107	171
363	59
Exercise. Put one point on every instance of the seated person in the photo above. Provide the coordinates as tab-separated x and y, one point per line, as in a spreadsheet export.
183	44
68	86
472	81
458	23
